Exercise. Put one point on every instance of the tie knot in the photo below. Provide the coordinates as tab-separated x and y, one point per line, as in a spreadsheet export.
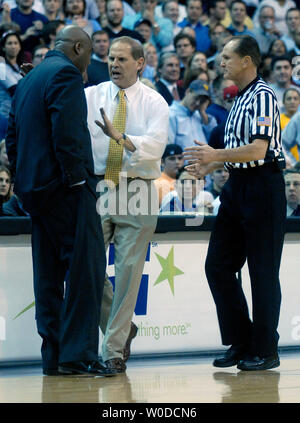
121	94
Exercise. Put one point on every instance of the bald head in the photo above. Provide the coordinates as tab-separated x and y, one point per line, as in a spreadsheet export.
76	44
71	33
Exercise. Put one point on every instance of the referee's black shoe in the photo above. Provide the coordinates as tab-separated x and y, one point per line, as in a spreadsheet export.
231	357
259	363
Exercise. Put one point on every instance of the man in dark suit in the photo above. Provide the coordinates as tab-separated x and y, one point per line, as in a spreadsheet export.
49	149
169	70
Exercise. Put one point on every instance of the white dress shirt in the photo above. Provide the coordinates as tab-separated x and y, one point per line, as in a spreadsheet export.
146	126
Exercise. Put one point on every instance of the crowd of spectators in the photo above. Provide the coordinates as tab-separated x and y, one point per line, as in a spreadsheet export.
182	41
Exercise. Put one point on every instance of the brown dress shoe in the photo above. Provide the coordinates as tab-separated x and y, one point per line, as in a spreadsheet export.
116	364
132	334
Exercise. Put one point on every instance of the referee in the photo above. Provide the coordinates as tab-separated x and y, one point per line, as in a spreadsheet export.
250	224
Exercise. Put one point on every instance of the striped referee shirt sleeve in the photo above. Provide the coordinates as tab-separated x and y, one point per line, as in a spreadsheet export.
264	113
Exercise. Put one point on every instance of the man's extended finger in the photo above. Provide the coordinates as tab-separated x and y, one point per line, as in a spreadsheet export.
193	161
194	155
199	142
190	168
194	148
189	152
97	122
102	111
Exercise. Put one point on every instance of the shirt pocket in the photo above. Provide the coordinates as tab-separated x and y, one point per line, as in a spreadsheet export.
183	127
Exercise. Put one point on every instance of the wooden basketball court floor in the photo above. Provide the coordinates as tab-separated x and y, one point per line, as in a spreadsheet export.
164	379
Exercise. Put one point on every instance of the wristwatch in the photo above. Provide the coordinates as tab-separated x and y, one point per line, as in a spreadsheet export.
121	140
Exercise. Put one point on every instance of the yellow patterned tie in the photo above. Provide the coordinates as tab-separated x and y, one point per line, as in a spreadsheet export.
115	152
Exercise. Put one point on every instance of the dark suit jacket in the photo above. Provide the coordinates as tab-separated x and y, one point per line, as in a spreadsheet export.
97	72
296	212
48	142
163	90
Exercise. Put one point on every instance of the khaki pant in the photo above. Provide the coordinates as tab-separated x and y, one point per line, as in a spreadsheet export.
131	235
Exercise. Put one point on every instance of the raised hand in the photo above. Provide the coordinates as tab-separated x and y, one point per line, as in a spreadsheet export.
107	127
201	153
25	68
6	13
197	170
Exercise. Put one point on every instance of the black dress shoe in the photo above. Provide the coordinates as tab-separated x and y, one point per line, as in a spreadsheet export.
132	334
116	364
231	357
259	363
54	372
93	368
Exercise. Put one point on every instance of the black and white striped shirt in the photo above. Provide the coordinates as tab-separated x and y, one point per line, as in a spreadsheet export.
254	115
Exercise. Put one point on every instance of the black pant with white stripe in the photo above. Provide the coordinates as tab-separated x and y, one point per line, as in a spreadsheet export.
250	227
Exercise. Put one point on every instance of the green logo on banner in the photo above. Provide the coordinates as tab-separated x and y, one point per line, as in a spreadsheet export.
169	270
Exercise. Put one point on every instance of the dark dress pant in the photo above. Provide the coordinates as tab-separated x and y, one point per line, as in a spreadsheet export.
250	226
69	264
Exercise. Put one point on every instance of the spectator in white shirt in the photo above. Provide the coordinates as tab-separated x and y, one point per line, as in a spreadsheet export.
266	32
280	7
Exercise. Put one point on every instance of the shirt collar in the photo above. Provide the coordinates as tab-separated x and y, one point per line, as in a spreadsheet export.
183	108
196	25
290	211
231	27
95	57
248	86
169	85
130	92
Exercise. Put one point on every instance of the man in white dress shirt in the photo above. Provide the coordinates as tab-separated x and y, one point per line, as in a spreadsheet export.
143	140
